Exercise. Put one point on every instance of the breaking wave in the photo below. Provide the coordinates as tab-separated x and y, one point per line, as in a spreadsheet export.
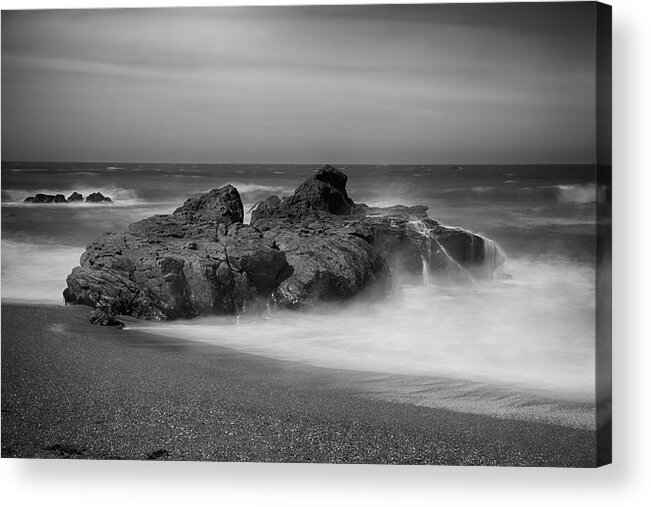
578	194
246	188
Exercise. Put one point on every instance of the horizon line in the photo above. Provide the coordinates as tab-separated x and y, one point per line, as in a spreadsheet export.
294	163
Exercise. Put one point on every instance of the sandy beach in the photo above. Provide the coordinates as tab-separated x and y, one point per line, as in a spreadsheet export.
73	390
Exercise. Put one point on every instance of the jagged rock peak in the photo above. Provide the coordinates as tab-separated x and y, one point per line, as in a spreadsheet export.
222	204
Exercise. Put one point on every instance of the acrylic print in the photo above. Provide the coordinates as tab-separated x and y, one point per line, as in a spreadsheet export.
335	234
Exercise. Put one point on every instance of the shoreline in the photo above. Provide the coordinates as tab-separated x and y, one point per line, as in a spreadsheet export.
73	390
456	394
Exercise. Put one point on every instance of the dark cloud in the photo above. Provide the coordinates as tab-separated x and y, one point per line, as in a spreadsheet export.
511	83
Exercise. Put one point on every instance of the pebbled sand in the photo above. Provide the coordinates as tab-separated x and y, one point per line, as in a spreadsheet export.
73	390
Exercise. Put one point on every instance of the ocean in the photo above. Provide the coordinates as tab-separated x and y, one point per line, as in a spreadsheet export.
530	331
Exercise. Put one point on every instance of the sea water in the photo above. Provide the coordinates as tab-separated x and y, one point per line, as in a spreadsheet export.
533	327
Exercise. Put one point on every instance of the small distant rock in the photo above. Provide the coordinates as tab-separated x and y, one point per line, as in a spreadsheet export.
46	199
98	197
95	197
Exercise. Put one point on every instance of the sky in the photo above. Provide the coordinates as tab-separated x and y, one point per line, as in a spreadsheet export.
429	84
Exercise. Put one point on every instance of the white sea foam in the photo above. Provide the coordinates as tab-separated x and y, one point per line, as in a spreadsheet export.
36	272
533	331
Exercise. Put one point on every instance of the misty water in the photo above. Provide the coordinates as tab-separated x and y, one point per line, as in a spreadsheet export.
531	328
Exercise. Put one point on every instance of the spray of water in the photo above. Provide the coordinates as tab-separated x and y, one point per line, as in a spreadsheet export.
484	256
425	270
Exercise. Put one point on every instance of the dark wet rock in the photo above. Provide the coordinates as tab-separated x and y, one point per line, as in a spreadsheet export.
324	192
102	317
314	246
98	197
328	266
480	256
200	259
221	205
75	197
271	207
149	273
46	199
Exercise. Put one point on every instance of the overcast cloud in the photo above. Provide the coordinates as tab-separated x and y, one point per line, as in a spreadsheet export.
510	83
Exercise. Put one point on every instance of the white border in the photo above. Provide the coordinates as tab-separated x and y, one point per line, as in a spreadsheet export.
52	483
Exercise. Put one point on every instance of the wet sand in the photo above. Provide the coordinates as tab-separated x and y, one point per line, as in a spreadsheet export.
73	390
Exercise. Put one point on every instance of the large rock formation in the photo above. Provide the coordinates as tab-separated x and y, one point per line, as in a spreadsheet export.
200	259
316	245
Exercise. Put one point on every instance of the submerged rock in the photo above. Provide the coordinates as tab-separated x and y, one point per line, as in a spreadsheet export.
314	246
